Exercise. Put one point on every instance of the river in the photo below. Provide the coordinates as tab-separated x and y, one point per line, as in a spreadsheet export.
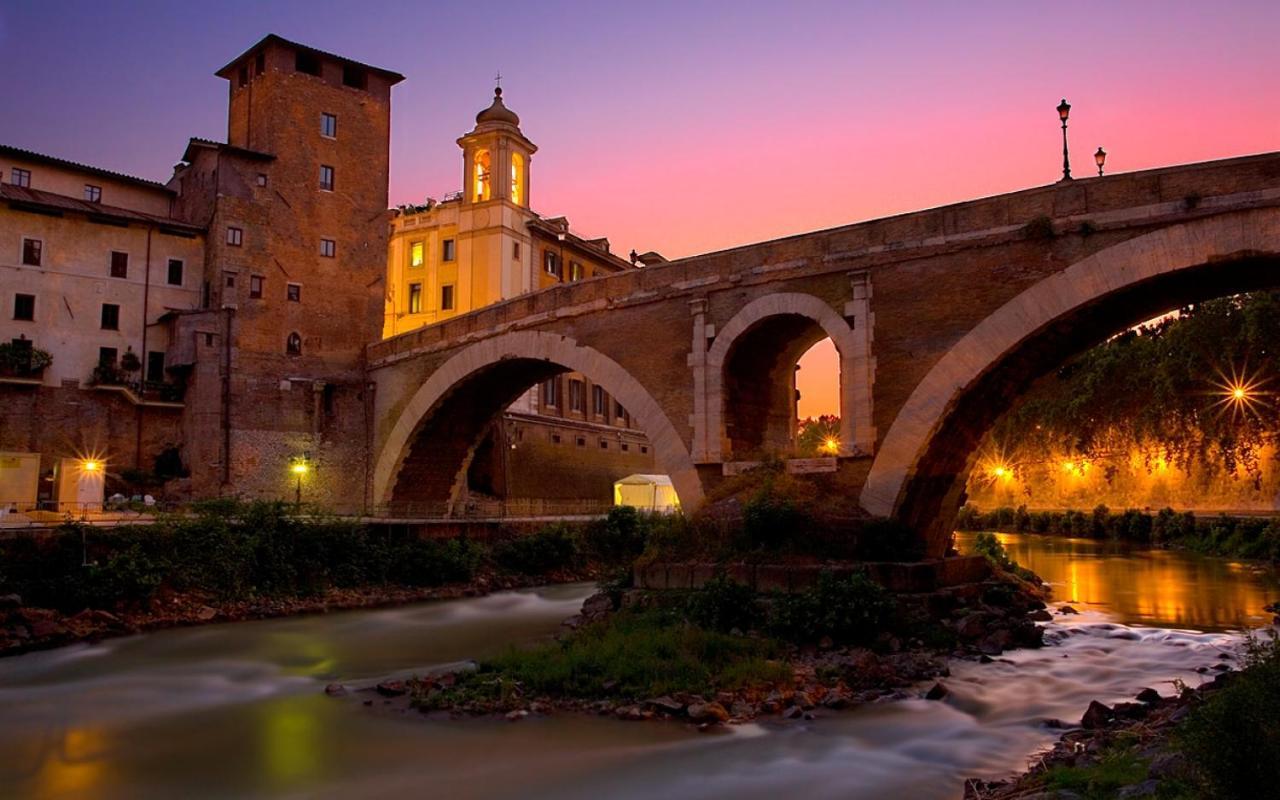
238	710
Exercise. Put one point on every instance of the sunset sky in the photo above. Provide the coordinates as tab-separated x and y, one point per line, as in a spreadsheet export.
684	127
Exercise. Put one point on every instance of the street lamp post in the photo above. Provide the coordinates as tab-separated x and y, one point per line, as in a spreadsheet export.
1100	158
298	469
1064	109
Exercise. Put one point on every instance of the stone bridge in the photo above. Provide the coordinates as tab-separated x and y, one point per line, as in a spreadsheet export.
942	318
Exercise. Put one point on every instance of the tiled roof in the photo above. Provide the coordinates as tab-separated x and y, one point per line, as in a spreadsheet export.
30	155
59	202
271	38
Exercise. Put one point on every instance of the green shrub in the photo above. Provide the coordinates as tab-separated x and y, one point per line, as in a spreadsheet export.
552	548
987	544
618	538
771	522
882	539
425	562
1233	739
850	610
723	605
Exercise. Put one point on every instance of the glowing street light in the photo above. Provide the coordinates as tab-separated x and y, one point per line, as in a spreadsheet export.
831	445
1100	158
89	465
299	468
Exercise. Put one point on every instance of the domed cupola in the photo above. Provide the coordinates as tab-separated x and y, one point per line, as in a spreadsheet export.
498	112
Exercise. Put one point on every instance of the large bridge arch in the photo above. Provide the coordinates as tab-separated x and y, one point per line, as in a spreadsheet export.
478	382
771	332
921	466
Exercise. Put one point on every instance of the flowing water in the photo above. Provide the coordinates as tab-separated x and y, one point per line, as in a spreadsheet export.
238	710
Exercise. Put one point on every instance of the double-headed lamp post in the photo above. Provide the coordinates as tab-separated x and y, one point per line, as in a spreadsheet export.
1064	110
1100	158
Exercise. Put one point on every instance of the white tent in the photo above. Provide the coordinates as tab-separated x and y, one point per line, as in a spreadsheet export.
647	493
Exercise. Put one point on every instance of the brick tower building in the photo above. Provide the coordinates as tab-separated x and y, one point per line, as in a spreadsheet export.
295	209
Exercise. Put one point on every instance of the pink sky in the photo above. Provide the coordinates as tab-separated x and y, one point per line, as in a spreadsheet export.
683	126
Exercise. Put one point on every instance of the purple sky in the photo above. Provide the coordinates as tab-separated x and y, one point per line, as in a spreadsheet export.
684	126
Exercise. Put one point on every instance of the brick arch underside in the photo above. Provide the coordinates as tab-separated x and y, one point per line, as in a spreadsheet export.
424	460
758	389
752	362
922	467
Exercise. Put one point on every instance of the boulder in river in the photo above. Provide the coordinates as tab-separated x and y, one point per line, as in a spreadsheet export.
391	688
937	692
665	703
1148	695
1097	715
335	690
708	712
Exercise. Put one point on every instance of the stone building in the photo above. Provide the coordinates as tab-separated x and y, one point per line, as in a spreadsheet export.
565	438
246	287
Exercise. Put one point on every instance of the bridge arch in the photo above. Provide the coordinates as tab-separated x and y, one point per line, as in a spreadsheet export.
921	467
750	405
442	422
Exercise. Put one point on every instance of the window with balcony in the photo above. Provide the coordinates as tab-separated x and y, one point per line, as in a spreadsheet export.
24	307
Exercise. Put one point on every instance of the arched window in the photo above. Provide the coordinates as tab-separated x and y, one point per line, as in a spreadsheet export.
293	346
517	179
481	188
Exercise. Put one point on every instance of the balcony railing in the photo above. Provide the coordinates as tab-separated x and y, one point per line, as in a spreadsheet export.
146	391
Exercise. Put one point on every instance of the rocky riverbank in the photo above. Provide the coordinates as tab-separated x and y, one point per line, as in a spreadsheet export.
25	628
792	681
1126	750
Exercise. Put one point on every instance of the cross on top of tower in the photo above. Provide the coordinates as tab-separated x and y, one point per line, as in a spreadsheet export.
497	80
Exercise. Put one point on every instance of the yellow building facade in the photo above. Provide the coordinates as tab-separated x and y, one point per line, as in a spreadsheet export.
483	244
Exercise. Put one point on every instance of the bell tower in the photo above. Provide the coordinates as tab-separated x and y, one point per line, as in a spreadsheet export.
496	157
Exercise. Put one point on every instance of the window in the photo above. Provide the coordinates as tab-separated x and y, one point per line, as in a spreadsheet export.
618	410
155	366
293	293
21	177
517	179
599	405
32	250
354	77
576	392
107	356
417	254
555	438
575	271
329	125
326	178
293	345
481	188
447	250
243	77
415	298
262	179
119	264
604	444
328	248
22	352
515	250
624	446
92	194
550	263
175	271
110	317
582	441
644	448
255	286
235	237
306	63
24	307
551	392
260	63
446	297
229	280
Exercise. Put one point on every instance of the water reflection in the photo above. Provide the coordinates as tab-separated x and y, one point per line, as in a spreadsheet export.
1147	587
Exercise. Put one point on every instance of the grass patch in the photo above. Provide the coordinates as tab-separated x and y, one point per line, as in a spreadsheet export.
1120	766
633	655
